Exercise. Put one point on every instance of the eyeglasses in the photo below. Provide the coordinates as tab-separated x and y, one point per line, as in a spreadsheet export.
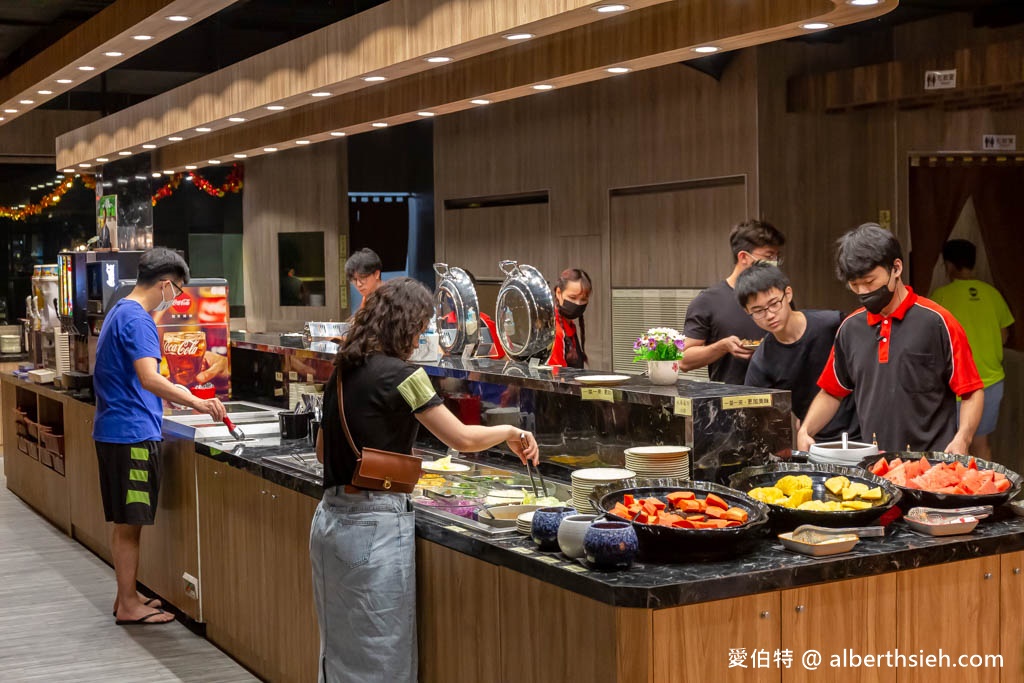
360	280
772	306
776	258
178	291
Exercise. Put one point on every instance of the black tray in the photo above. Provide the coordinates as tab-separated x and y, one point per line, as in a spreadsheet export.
669	544
917	497
786	519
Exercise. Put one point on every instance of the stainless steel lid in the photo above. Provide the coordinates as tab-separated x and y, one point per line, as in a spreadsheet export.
456	309
525	314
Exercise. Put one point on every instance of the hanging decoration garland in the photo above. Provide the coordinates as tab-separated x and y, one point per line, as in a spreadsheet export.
21	212
233	184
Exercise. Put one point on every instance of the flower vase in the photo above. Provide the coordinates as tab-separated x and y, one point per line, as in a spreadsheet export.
664	372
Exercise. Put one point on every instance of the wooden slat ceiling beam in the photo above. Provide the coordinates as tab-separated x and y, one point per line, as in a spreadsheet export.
394	40
113	30
990	75
644	39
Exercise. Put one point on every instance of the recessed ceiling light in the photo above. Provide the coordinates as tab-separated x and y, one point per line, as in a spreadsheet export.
863	3
213	161
302	142
64	81
706	49
86	68
125	154
155	174
375	79
26	102
102	159
45	92
113	53
175	138
149	147
425	113
190	167
68	170
168	172
84	165
177	17
518	36
337	134
543	86
240	156
815	25
275	107
270	149
203	129
479	101
439	60
10	111
143	37
618	70
320	94
611	8
379	124
236	119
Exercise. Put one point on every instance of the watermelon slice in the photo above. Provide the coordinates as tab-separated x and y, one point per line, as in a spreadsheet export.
880	467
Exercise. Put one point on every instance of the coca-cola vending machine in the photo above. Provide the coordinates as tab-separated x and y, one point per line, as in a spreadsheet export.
194	334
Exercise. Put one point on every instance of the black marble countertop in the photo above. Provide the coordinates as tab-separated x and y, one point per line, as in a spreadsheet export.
636	389
767	567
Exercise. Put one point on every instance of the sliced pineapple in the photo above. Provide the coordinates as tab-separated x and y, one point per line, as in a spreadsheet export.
872	494
855	505
799	497
836	484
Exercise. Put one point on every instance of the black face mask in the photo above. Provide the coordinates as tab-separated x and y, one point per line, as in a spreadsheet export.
570	310
876	300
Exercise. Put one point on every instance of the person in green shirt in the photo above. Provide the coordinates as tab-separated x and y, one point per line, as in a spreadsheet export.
986	319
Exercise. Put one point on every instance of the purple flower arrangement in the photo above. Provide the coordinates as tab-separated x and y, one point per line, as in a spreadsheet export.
659	343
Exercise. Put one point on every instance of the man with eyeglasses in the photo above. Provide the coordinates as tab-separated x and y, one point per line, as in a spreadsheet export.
129	420
717	327
362	269
795	351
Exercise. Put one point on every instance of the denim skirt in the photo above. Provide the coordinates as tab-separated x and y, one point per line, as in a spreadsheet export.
363	549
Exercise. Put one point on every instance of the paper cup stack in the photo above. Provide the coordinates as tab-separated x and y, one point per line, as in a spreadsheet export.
659	461
585	481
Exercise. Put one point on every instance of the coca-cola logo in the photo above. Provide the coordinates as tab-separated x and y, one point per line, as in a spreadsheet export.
182	347
213	310
182	304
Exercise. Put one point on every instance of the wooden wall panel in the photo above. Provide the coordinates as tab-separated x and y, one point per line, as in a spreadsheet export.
33	137
665	125
303	190
478	239
675	238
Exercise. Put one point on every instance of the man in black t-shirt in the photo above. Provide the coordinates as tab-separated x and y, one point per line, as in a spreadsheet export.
716	325
796	349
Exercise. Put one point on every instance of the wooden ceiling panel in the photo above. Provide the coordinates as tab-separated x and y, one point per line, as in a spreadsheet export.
654	37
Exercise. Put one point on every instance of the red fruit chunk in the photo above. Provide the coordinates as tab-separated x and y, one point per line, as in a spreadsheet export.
713	500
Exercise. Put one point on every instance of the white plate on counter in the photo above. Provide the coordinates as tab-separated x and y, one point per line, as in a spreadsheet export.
453	467
602	380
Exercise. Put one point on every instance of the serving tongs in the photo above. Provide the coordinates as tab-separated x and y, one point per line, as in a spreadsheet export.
529	471
946	515
812	533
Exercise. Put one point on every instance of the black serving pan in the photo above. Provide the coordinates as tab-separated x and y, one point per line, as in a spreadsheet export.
916	497
668	544
787	519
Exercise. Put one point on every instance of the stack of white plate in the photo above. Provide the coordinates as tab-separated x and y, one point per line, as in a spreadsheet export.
836	453
586	480
659	461
524	523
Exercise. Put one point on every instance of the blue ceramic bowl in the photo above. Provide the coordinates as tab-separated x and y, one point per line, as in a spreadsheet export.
611	545
544	529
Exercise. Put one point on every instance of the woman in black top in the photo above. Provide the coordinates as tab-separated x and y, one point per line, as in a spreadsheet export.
362	543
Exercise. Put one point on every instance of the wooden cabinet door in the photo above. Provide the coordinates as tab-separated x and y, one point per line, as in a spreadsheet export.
1010	616
718	641
232	563
954	607
291	639
854	615
88	525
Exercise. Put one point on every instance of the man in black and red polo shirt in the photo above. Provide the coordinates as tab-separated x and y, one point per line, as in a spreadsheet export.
904	358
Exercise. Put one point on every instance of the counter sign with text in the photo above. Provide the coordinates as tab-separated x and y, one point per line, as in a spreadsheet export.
752	401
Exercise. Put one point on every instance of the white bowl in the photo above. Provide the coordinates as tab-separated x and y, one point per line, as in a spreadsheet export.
571	532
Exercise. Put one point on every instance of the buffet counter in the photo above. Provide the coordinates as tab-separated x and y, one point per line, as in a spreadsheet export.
496	609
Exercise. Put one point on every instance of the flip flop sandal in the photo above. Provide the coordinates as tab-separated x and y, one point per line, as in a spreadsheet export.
145	603
143	621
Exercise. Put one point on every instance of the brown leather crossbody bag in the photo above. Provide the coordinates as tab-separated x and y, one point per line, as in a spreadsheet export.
378	470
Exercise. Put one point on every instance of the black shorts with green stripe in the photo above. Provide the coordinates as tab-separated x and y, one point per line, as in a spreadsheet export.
129	481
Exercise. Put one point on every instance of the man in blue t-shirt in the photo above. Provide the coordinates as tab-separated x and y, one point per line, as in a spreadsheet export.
129	417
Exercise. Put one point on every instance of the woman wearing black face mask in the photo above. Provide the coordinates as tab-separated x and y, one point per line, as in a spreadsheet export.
572	293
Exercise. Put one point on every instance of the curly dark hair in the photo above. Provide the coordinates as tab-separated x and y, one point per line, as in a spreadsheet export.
390	322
